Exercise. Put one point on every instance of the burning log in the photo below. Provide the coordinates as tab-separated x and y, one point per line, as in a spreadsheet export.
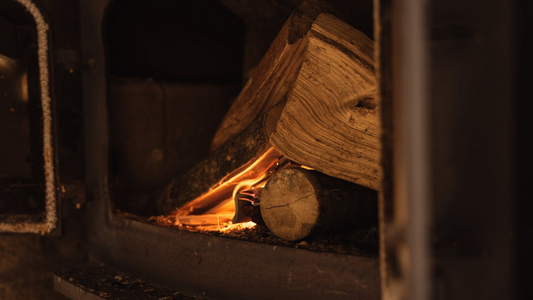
311	99
298	203
247	157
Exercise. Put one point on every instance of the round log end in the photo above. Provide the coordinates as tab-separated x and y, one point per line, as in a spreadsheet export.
290	204
297	204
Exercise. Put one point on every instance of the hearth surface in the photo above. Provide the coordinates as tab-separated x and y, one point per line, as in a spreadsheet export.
196	263
361	242
358	242
100	282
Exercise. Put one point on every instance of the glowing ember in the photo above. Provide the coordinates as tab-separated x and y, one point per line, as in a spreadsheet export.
239	226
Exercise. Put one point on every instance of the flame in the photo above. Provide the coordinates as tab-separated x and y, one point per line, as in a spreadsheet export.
217	207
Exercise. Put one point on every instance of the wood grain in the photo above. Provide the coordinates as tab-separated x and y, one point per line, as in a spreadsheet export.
331	121
274	76
298	203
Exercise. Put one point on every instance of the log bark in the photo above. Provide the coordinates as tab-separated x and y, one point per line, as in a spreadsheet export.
298	204
228	160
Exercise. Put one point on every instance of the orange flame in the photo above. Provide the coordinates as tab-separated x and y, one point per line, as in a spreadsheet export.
220	216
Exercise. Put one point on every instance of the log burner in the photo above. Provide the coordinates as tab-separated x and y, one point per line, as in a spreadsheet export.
139	166
296	125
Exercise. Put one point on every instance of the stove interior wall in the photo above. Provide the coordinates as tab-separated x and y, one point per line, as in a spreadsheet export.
175	67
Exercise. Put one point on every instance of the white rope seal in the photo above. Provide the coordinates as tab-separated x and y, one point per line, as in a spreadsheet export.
44	76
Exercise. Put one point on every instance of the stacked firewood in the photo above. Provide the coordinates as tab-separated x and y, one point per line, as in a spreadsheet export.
313	99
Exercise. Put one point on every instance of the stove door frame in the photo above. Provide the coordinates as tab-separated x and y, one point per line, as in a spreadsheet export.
50	224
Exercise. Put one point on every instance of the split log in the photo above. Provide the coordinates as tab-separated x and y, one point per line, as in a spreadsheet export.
312	98
275	75
331	120
298	203
320	71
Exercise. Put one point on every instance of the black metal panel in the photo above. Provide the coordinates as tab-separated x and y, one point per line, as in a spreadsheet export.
456	164
471	123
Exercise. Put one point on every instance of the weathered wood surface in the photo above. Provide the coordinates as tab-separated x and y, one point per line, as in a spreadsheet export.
331	120
298	203
325	81
274	76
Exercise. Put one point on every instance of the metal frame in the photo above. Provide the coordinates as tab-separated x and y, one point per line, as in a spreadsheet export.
402	55
447	95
